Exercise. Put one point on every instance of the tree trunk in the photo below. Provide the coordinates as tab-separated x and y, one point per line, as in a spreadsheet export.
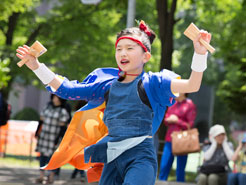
34	34
11	27
166	24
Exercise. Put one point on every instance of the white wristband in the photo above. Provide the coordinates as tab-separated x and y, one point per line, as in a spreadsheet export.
199	62
44	74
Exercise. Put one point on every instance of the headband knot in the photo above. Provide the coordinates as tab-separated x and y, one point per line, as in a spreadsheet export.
143	27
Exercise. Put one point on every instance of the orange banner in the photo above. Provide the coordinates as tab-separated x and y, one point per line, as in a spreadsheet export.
17	138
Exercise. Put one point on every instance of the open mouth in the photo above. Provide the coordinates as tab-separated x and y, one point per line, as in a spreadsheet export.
123	62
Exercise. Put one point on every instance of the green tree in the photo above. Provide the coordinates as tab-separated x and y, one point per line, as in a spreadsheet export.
78	37
166	18
9	13
226	22
233	88
4	70
226	67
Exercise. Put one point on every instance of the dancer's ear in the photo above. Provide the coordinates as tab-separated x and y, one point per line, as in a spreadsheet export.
147	56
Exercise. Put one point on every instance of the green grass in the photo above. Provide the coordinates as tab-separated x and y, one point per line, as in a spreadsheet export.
20	161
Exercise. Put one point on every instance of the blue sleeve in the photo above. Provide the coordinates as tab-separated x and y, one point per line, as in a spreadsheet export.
92	88
158	90
73	90
159	87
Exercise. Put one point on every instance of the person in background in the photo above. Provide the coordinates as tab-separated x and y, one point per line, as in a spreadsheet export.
180	116
216	158
239	157
53	119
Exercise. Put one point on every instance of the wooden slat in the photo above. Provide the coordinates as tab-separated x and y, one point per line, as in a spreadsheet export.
36	50
192	31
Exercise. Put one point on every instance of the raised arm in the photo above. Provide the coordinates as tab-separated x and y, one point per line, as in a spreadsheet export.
42	72
236	153
199	64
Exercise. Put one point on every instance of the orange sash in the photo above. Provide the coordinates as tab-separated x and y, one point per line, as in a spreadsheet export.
85	129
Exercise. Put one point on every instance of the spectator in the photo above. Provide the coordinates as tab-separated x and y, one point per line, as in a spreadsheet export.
239	157
53	119
216	157
178	117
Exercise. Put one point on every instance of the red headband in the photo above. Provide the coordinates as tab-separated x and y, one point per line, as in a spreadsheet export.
133	39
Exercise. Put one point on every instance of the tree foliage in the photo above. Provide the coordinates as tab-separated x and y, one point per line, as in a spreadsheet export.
10	10
233	88
227	23
80	38
4	70
226	67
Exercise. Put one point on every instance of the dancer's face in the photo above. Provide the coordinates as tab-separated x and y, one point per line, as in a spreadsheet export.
130	56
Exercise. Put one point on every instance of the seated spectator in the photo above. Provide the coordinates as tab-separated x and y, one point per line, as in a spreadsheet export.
239	157
216	158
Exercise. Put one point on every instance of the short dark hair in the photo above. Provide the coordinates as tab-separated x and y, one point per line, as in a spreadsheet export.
63	101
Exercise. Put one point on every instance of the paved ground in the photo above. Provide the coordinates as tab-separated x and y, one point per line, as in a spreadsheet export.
27	176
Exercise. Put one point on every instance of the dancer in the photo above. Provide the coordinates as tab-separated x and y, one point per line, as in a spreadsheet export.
135	104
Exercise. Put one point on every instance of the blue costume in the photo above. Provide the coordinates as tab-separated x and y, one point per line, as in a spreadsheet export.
128	148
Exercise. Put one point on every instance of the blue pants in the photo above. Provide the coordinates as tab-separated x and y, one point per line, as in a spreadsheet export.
136	166
167	161
236	179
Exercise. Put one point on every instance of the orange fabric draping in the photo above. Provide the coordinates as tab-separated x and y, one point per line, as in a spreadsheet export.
85	129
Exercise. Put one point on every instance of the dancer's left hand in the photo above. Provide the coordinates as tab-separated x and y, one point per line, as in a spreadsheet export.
198	47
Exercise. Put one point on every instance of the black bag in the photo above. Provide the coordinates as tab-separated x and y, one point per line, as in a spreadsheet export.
208	169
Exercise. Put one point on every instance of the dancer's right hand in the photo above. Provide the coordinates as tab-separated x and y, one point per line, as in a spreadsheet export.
23	53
